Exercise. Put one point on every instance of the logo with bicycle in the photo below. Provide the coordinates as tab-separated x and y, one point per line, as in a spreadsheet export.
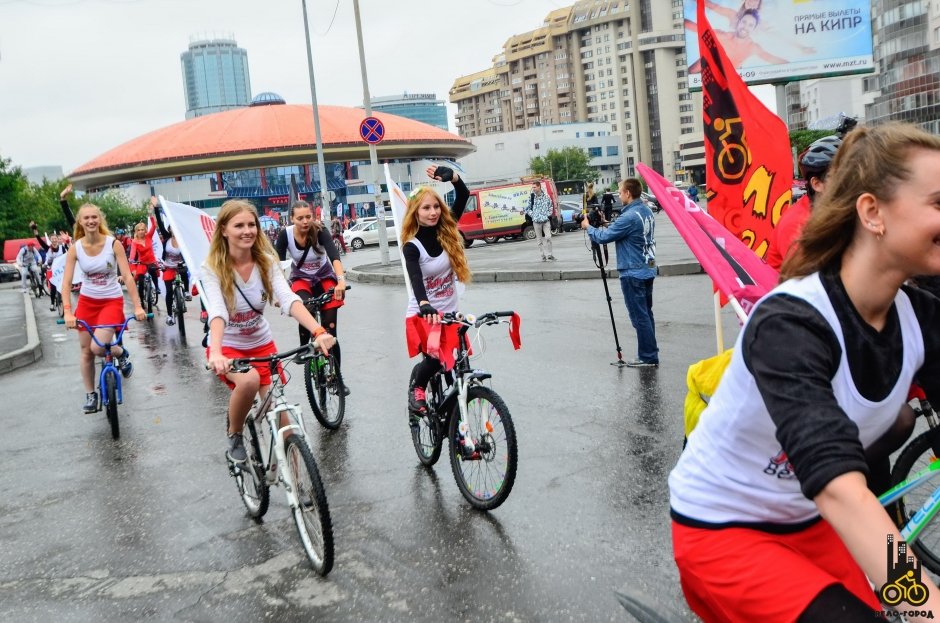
904	583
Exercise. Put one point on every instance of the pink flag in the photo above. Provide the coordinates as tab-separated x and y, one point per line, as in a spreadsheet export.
736	270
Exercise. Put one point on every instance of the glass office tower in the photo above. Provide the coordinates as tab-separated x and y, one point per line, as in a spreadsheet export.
215	77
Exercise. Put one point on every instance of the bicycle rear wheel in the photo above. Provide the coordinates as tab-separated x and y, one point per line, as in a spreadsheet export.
180	304
426	432
324	385
250	475
312	514
916	456
58	305
486	476
111	406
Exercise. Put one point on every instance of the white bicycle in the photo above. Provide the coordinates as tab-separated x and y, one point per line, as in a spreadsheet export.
280	455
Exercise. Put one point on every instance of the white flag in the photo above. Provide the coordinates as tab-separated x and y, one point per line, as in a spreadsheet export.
399	204
192	229
58	272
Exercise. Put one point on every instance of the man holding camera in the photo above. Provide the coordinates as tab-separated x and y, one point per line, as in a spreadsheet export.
633	234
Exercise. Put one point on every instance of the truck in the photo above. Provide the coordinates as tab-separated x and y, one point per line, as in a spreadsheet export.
499	211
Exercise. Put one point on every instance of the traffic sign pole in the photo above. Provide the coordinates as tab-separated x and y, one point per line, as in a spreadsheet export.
373	157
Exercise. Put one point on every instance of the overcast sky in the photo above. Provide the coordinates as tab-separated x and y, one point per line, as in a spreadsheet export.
78	77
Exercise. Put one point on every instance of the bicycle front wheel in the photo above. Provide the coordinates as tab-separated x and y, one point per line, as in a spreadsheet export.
916	456
484	476
325	391
180	303
110	394
250	475
312	513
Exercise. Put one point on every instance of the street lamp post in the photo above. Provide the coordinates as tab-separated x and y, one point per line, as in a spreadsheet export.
324	192
379	208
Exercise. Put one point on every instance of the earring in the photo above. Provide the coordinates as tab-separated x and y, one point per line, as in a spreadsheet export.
880	235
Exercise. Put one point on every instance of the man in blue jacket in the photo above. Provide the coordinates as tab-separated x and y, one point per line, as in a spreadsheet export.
633	232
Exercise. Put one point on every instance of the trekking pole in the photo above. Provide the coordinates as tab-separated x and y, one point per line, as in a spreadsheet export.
600	260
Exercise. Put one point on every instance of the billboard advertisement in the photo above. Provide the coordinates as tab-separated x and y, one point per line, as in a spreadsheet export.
504	207
777	41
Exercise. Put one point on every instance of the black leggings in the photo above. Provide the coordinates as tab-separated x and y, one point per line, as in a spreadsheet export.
328	319
52	292
424	370
154	276
170	295
835	604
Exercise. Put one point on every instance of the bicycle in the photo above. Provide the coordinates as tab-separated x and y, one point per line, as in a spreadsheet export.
301	479
322	377
36	284
179	301
146	289
110	393
475	420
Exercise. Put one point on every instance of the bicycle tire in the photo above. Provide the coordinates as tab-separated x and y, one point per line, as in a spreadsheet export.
154	293
180	305
917	455
250	476
312	515
111	408
484	482
325	391
427	433
60	309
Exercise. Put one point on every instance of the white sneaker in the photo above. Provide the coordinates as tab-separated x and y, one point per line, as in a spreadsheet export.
170	321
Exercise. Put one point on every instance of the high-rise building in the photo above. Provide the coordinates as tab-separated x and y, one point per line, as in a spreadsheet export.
215	76
424	107
618	61
907	56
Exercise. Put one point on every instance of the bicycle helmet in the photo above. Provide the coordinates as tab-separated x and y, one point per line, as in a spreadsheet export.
818	156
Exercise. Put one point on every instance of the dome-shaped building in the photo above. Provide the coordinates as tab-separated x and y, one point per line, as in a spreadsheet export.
254	152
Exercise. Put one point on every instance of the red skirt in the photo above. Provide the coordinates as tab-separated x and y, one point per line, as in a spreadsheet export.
735	575
438	341
99	311
169	274
302	285
264	369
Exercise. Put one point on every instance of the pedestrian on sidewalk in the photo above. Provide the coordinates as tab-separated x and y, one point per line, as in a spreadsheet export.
633	232
540	211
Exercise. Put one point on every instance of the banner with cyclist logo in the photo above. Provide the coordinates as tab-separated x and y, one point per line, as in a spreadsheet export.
748	167
777	42
193	231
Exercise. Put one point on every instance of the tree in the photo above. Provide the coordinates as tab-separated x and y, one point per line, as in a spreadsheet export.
801	139
119	211
570	163
14	217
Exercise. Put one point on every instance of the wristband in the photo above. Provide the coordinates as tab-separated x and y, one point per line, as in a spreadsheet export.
318	332
341	277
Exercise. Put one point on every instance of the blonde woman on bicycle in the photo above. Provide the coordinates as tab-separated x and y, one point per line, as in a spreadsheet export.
240	277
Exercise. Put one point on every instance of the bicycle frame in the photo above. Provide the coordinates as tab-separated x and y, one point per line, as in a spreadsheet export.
927	512
107	364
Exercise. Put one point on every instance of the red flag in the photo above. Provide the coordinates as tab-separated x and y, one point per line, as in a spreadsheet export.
747	148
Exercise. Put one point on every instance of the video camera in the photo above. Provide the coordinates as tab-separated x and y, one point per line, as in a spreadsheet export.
595	217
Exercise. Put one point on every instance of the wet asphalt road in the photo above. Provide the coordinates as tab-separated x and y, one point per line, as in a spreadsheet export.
151	527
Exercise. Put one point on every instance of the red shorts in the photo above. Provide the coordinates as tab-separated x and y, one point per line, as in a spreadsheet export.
302	285
169	274
99	311
743	574
438	341
264	369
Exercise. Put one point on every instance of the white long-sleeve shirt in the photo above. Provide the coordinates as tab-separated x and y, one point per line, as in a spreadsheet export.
245	328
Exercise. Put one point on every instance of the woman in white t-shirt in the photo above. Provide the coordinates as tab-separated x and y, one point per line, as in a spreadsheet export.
240	276
101	299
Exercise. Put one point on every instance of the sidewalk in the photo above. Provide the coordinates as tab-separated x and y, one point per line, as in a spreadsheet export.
19	338
519	260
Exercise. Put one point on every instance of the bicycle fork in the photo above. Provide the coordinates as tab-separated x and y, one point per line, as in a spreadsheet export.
105	369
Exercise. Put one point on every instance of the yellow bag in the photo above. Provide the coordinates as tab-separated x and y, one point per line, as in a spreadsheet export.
703	379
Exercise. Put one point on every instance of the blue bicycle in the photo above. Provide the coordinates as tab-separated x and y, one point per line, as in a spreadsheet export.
109	380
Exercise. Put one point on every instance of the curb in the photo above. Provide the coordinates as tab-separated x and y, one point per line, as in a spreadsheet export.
30	353
367	273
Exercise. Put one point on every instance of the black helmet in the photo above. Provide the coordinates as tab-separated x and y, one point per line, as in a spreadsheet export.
818	156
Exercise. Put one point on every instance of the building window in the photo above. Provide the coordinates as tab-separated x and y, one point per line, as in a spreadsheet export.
594	152
613	150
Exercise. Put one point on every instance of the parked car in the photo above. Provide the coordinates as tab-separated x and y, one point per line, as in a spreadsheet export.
369	234
8	272
568	211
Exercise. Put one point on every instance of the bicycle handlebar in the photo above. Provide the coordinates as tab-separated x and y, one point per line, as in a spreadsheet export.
323	299
91	329
300	355
474	321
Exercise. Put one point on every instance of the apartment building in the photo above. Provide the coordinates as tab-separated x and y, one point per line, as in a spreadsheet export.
616	61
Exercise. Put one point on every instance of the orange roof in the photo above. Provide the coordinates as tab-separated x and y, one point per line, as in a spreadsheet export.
262	136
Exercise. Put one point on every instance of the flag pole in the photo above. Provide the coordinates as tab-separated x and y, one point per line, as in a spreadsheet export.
324	197
719	331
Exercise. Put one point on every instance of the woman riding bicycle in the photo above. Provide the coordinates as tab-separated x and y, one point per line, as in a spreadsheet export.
315	267
142	252
239	277
53	249
101	298
434	258
772	518
172	263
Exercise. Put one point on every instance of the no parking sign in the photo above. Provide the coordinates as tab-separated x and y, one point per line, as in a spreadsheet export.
372	130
